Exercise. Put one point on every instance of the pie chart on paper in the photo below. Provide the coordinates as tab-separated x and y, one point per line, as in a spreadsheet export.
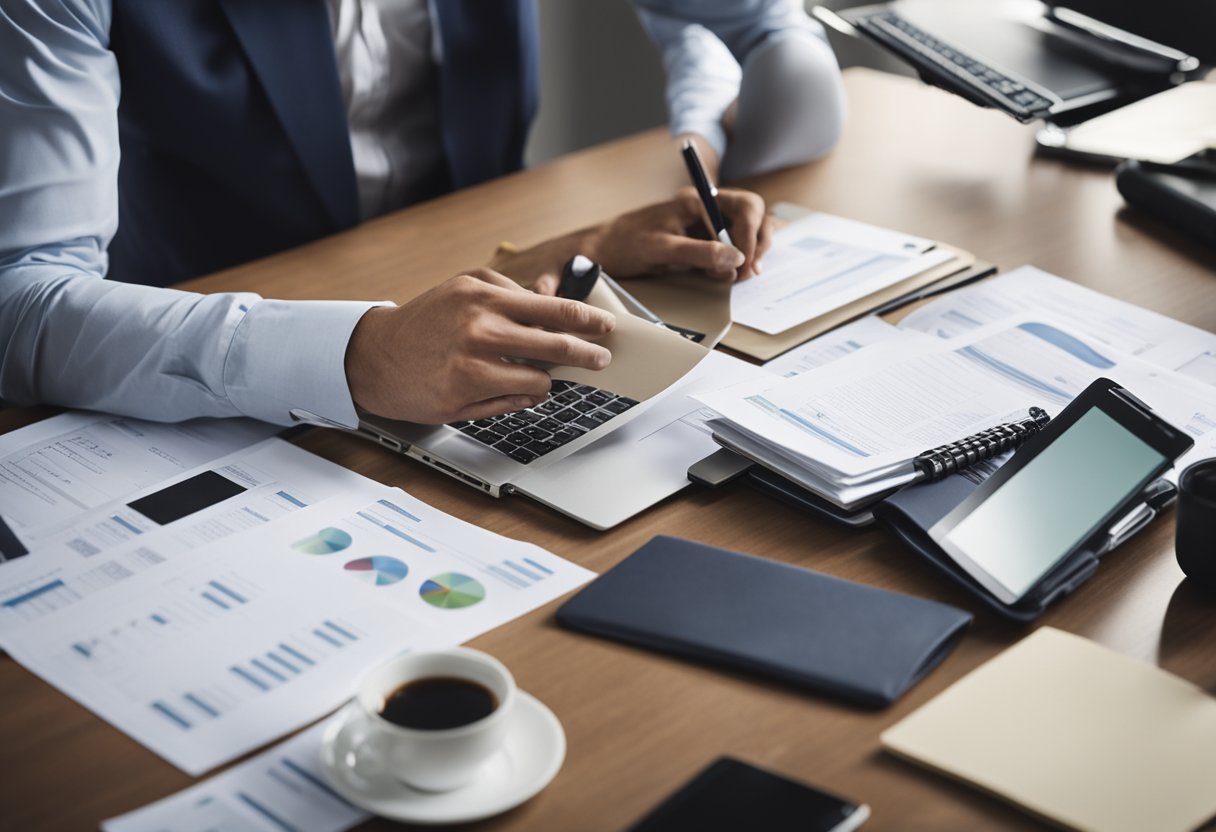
451	591
378	570
325	542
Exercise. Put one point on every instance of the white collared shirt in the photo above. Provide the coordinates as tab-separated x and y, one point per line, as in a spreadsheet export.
387	68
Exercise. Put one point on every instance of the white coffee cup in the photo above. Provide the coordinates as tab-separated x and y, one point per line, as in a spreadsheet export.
433	760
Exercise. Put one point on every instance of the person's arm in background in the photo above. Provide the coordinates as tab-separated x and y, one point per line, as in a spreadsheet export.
69	337
752	82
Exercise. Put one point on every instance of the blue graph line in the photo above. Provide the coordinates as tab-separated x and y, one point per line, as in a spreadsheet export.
125	524
266	813
532	576
291	651
172	715
292	500
821	433
1073	346
215	600
304	774
279	660
233	594
342	631
508	577
399	510
250	678
326	637
32	594
268	670
200	704
542	568
1014	373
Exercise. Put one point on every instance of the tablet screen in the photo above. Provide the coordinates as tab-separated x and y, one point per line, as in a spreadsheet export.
1054	503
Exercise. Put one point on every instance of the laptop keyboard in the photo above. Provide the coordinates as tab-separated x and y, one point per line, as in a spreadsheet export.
985	81
570	411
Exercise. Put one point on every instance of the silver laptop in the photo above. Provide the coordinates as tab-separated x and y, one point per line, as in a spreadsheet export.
596	457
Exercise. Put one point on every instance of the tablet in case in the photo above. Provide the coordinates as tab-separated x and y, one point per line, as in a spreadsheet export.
855	642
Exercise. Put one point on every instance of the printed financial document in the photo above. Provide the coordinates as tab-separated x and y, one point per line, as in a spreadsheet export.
63	469
207	656
860	419
1128	328
820	263
831	346
282	789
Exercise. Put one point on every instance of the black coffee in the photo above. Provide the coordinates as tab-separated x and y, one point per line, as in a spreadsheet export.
437	703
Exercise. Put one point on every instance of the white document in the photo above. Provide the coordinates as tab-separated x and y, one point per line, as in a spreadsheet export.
1128	328
875	409
256	485
280	790
859	420
56	471
831	346
821	263
206	657
1165	128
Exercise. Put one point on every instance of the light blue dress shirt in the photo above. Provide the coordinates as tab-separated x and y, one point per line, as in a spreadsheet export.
704	44
71	338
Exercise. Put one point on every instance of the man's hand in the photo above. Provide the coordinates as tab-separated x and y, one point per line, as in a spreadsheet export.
442	357
657	238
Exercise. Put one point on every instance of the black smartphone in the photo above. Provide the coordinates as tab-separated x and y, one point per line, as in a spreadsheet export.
731	795
1060	491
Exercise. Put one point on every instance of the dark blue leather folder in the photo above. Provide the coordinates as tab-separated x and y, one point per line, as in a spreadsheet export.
855	642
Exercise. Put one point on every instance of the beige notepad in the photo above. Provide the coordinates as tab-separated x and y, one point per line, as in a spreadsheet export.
1165	128
1075	733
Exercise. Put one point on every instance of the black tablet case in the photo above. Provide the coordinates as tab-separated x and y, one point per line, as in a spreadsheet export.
909	514
855	642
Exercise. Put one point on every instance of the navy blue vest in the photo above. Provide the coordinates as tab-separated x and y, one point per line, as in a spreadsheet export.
233	129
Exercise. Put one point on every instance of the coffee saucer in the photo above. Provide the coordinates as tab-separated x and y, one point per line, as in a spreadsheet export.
529	758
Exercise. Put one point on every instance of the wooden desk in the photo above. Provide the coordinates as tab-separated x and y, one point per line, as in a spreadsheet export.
638	723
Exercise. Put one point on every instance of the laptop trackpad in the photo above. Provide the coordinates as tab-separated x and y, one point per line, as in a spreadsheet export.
622	474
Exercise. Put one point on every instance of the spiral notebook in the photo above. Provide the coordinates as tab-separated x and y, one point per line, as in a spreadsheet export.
837	495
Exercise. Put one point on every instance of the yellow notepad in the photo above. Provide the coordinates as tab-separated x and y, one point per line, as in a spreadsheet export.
1076	734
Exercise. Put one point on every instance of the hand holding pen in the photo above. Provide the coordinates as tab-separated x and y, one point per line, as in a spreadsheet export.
751	245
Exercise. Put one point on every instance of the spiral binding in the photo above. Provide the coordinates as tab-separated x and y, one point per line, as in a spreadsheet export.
950	459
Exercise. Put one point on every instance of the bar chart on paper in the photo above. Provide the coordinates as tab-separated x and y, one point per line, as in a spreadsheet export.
207	657
280	790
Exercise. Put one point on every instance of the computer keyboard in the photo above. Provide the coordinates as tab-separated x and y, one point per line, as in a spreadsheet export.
570	411
981	80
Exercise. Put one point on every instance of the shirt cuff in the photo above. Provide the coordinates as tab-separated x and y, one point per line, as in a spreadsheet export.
291	355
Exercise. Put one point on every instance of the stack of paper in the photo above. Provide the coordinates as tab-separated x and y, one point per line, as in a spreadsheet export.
1074	733
848	430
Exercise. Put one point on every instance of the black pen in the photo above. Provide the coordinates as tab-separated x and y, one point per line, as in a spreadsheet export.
707	192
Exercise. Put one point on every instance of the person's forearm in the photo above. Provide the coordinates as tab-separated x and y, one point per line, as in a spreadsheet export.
76	340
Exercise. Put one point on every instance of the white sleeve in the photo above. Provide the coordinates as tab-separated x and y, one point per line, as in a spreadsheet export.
67	336
703	44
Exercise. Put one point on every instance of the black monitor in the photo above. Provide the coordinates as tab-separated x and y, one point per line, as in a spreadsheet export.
1186	25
